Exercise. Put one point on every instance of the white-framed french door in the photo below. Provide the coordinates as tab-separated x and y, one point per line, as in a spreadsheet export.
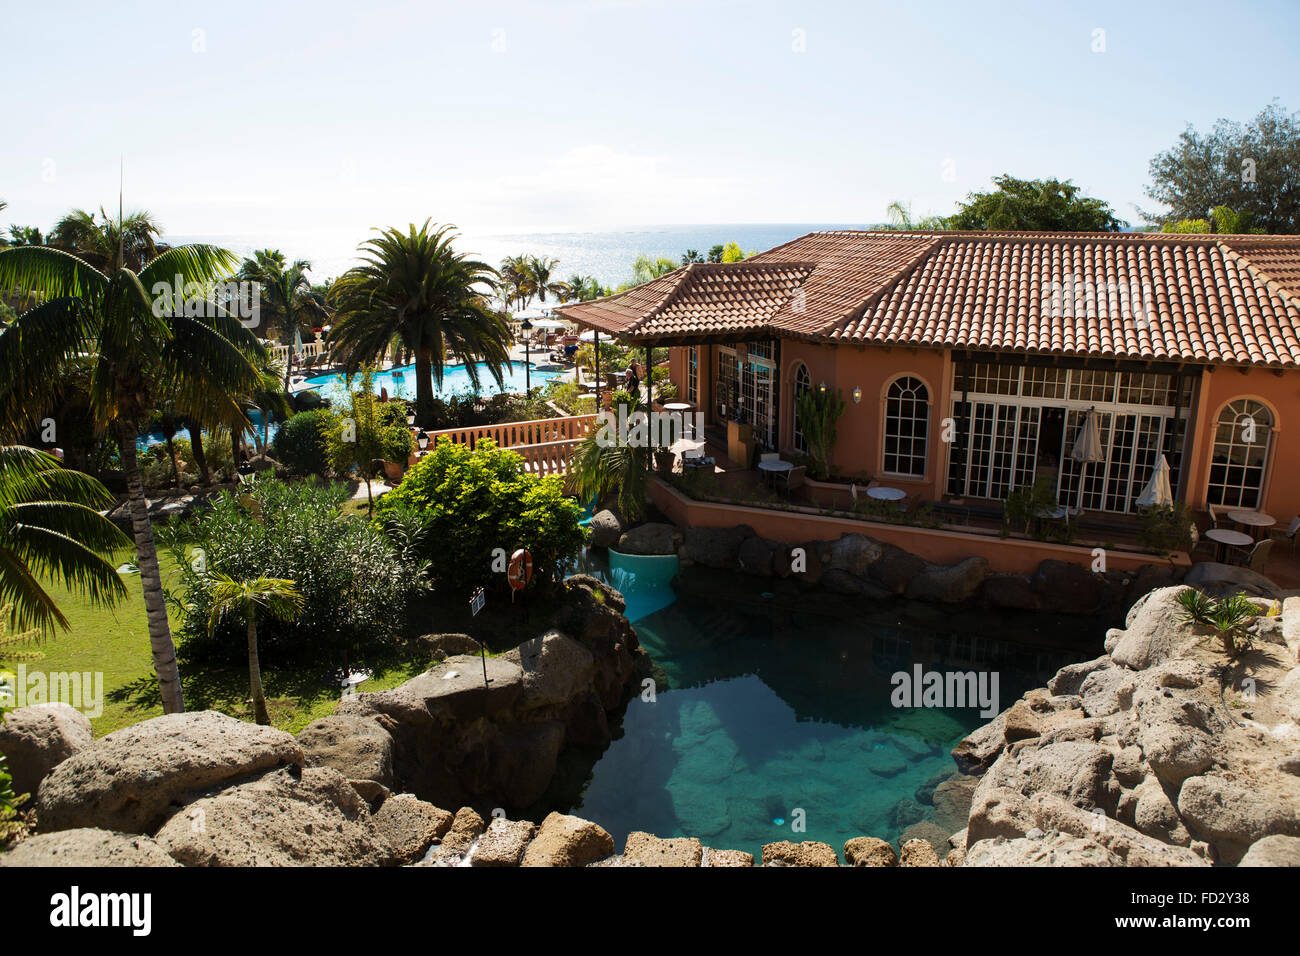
751	386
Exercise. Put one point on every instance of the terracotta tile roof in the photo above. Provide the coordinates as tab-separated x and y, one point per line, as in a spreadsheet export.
1164	297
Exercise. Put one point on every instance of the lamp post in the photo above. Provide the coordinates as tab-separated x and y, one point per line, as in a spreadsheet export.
527	327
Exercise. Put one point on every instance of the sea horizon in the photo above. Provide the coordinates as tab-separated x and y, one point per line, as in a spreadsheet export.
607	255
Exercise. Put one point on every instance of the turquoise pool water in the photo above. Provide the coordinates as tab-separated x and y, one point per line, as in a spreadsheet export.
778	708
399	382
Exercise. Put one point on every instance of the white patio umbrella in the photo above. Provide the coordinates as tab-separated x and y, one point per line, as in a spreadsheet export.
687	447
1157	492
1087	449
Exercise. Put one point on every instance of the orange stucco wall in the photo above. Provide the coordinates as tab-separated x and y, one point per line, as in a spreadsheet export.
1281	393
859	447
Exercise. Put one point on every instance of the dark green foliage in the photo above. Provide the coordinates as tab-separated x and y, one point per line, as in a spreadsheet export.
1040	205
354	582
300	444
474	502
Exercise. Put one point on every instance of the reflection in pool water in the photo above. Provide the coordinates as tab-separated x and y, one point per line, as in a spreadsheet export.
781	704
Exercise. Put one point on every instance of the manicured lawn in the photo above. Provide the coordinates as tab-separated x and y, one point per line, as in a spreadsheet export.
115	641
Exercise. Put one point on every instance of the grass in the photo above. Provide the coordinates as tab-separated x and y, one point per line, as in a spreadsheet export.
115	642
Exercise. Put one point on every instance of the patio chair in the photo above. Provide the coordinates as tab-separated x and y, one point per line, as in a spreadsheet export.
1257	557
1219	516
794	478
1290	533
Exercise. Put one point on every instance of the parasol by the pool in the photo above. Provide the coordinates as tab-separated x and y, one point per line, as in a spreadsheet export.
1157	492
1087	448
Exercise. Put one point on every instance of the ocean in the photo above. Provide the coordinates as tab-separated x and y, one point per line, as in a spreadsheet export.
608	256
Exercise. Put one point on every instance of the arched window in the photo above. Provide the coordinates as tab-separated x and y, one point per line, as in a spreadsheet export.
907	427
1240	456
802	383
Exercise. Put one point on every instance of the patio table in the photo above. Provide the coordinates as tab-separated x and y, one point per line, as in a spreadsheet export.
678	407
882	493
1252	519
1226	538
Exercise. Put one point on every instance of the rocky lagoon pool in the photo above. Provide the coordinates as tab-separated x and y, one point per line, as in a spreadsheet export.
776	721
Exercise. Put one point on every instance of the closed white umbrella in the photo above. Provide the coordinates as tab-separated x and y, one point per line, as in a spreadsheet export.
1087	448
1157	492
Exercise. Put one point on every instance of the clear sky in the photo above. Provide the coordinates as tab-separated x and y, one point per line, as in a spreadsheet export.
239	117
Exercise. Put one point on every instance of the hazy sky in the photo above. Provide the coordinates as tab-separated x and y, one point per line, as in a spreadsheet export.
235	118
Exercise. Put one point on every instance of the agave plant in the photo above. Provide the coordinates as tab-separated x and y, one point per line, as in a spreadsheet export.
1228	618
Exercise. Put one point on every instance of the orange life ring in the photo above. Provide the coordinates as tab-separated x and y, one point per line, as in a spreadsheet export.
520	570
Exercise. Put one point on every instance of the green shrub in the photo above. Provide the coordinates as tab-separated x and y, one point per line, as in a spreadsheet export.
474	502
1167	529
354	581
300	444
1024	505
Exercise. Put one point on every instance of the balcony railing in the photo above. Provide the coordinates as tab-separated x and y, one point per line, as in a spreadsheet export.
544	443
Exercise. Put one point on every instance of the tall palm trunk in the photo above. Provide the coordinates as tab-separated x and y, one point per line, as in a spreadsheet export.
424	384
171	456
255	673
160	635
200	456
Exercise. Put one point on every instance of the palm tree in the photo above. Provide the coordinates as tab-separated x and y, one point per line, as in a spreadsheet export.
50	528
607	463
416	286
129	242
540	270
244	599
287	297
899	215
581	288
144	350
517	281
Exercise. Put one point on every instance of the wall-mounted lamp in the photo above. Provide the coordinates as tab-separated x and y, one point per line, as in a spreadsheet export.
857	395
821	386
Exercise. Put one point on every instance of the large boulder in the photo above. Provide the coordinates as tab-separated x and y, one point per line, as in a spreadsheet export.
410	826
503	843
286	817
854	553
756	556
38	738
133	779
1069	679
87	847
1066	587
1273	851
605	529
1220	580
1178	736
357	747
809	853
1075	771
949	585
999	812
565	840
869	851
556	670
714	547
650	538
839	581
1055	849
1231	817
895	568
1154	632
646	849
1010	591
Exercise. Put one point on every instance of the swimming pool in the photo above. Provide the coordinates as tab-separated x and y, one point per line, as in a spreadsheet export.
776	715
399	381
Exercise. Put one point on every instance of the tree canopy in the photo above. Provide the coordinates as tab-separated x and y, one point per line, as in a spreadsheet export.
1034	205
1253	168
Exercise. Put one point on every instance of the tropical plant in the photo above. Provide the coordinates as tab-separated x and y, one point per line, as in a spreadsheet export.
818	411
245	600
1228	617
691	255
649	267
516	281
108	244
540	269
580	288
414	285
473	502
1027	503
353	582
301	443
287	300
1042	205
898	216
50	527
25	236
614	461
1167	529
359	439
144	348
1222	220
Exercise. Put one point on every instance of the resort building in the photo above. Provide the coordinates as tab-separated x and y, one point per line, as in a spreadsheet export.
969	361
